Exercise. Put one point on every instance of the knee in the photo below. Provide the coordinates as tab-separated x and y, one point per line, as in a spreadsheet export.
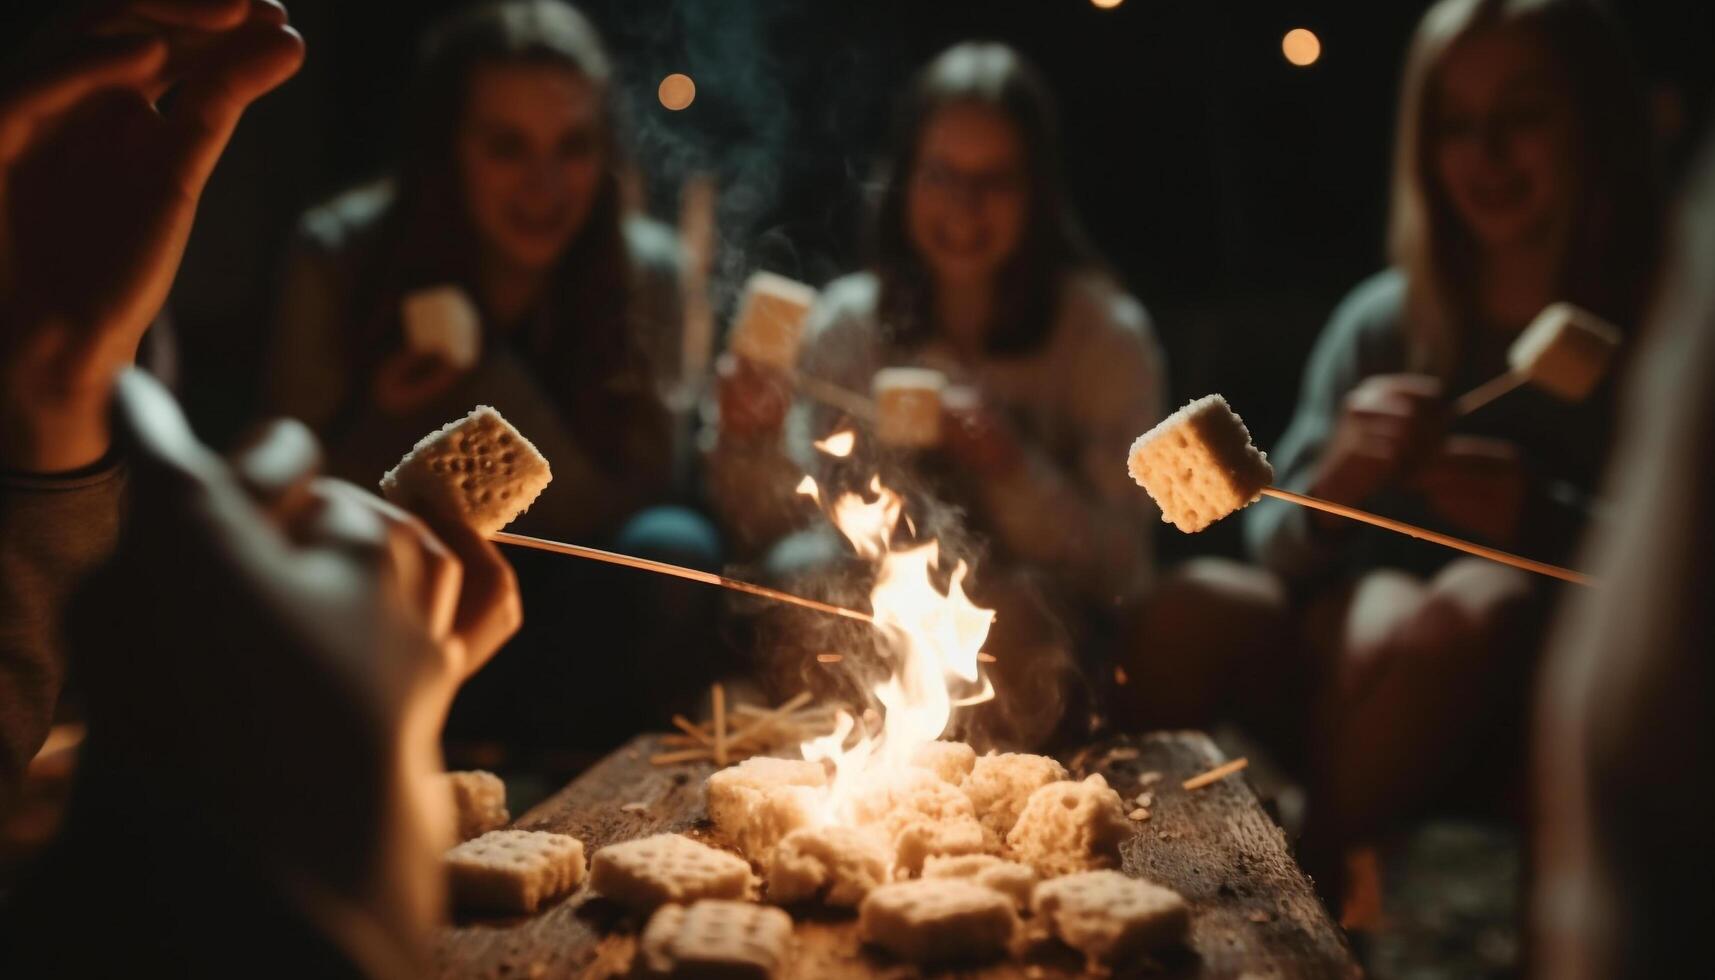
676	535
1480	600
1208	596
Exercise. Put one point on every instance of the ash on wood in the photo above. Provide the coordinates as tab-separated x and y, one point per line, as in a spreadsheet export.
1253	911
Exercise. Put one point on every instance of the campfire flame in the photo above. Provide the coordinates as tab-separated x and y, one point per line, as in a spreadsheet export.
930	641
839	444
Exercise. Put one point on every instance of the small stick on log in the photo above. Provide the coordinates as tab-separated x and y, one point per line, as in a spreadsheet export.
695	731
1216	774
719	697
768	719
1445	540
670	758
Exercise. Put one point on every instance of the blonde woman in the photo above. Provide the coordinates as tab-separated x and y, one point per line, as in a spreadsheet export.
1522	177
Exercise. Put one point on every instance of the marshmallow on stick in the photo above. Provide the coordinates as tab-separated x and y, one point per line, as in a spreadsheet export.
1200	465
908	406
478	467
1565	352
442	320
770	325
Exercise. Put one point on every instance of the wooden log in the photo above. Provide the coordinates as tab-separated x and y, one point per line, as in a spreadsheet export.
1254	912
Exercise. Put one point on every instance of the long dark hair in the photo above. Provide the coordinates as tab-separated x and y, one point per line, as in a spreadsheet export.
996	77
427	236
1614	235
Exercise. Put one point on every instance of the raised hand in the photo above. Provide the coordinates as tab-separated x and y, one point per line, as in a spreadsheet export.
106	143
282	648
1386	425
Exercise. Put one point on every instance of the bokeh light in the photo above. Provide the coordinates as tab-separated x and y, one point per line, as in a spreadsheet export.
1106	4
677	91
1301	47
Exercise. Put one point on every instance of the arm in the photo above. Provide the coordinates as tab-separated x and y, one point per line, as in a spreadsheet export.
1089	519
318	833
1284	537
97	195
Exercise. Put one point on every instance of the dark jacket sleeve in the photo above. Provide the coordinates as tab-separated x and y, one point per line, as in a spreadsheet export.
53	530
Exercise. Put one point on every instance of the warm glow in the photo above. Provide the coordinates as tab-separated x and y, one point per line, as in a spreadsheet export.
677	91
931	644
839	444
808	488
1301	47
1107	4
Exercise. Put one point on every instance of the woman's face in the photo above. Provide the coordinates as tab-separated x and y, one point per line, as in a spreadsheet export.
1503	139
969	196
530	157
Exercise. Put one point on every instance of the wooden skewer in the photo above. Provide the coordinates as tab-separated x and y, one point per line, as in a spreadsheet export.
1446	540
677	571
1487	392
1216	774
834	396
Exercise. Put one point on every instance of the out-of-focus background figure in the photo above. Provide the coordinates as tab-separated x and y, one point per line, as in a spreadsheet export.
980	272
1625	701
500	265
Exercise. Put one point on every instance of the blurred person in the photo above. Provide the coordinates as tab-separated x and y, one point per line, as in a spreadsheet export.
237	821
979	270
1522	177
99	192
1623	731
507	186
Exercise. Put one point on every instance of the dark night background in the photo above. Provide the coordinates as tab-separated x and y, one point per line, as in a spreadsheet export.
1237	195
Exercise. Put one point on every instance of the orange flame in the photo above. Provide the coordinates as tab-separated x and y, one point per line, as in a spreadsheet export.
839	444
931	642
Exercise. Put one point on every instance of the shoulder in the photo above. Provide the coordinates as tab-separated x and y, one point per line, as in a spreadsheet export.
652	247
1374	307
1098	315
343	224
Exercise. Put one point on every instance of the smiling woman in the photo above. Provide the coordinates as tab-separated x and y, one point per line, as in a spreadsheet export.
497	266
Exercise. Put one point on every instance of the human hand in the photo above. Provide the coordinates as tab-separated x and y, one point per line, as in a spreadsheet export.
409	380
281	649
98	189
1477	485
976	435
754	397
1386	425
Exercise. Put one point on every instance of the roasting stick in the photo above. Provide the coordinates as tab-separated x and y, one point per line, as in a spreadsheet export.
1199	465
677	571
1487	392
1446	540
834	396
